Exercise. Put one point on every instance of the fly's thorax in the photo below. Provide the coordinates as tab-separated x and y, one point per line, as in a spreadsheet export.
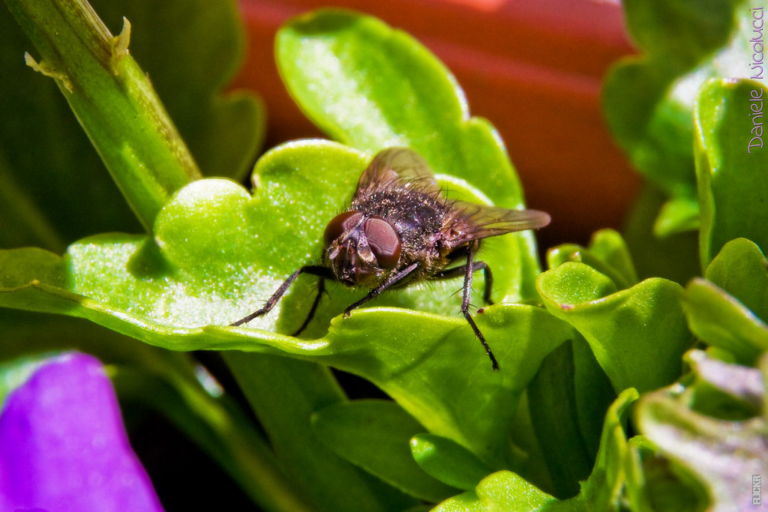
416	215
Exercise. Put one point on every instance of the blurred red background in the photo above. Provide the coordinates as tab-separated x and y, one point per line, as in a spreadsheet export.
534	69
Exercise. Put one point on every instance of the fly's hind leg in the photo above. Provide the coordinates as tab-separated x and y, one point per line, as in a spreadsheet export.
461	271
467	271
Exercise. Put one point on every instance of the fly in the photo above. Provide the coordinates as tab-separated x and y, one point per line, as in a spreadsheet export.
400	230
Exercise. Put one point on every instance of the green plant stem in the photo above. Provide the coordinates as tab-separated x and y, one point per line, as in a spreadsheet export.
112	98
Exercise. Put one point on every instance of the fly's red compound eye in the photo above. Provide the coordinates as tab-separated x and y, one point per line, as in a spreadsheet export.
383	241
340	225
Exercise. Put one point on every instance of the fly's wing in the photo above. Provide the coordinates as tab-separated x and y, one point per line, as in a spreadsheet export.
469	221
397	167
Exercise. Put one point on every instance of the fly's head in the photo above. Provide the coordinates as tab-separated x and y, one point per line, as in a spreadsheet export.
362	249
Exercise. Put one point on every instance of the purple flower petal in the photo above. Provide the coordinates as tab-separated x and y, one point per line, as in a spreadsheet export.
63	446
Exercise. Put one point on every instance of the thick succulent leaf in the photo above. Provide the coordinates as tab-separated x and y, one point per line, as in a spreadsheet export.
637	489
503	490
448	461
373	87
594	394
653	484
729	310
722	390
637	335
722	455
678	215
531	465
602	490
607	253
568	400
732	184
554	413
648	100
218	252
453	407
375	435
674	257
722	321
68	193
741	270
324	479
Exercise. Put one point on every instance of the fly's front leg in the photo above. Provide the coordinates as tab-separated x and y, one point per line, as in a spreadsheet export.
469	269
392	280
322	272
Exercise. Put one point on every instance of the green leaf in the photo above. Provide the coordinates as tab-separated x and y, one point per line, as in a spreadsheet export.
500	491
448	461
371	87
741	270
722	455
648	100
533	467
683	33
568	400
723	322
602	490
678	215
324	479
607	253
727	311
722	390
375	435
554	415
594	394
424	350
219	252
665	491
637	490
25	266
654	486
637	335
732	185
675	257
